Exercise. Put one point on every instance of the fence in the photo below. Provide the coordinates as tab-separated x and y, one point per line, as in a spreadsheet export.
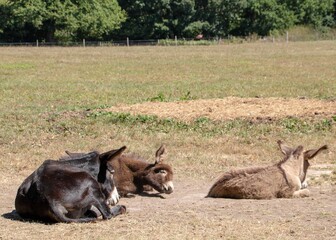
80	44
178	42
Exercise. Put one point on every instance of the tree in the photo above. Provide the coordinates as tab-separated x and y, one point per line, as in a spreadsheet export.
225	16
263	17
52	20
4	13
156	18
317	13
145	19
180	17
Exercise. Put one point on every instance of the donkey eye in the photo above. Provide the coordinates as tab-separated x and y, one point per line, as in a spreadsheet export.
163	171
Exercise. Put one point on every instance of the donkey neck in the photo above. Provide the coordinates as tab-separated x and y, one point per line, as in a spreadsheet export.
135	165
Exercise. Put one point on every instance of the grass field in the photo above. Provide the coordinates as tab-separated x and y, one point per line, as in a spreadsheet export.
54	99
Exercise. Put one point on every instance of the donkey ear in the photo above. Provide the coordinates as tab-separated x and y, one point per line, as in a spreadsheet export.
298	151
159	153
313	152
110	155
284	148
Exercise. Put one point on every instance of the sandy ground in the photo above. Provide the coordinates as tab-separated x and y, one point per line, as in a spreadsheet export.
187	214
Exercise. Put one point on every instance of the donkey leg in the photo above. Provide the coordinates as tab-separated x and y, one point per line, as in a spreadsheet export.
301	193
59	215
93	212
100	203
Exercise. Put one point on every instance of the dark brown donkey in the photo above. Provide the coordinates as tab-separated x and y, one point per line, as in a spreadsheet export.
134	176
64	191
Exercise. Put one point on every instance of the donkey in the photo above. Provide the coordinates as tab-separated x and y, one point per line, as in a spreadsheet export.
65	191
134	176
282	180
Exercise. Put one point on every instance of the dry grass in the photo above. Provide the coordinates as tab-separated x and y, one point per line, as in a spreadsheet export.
233	108
46	94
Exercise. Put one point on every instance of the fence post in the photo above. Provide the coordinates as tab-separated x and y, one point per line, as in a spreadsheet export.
127	41
175	40
83	42
37	43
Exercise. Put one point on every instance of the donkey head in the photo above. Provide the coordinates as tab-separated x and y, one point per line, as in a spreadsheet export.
99	166
307	155
159	175
105	175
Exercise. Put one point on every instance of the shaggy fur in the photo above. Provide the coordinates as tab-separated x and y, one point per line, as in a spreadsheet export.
282	180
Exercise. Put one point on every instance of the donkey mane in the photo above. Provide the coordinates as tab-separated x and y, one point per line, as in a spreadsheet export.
79	156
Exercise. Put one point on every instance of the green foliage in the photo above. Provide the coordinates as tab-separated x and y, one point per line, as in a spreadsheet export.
4	13
225	16
266	16
195	28
156	19
304	126
314	12
63	19
98	18
66	20
186	18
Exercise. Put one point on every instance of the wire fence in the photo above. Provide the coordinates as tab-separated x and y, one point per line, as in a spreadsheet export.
174	42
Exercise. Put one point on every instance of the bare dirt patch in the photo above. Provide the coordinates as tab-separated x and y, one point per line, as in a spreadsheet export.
232	108
187	214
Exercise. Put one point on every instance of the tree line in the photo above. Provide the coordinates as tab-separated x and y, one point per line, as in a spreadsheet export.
73	20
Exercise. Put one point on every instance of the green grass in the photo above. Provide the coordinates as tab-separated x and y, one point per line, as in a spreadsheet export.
206	127
47	93
64	78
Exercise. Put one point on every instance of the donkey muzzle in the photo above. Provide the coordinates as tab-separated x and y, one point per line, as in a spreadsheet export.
168	187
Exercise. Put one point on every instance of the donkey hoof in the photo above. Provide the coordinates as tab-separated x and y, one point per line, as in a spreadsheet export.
117	210
123	209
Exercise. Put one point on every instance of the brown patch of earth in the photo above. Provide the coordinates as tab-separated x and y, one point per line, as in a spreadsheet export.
233	107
